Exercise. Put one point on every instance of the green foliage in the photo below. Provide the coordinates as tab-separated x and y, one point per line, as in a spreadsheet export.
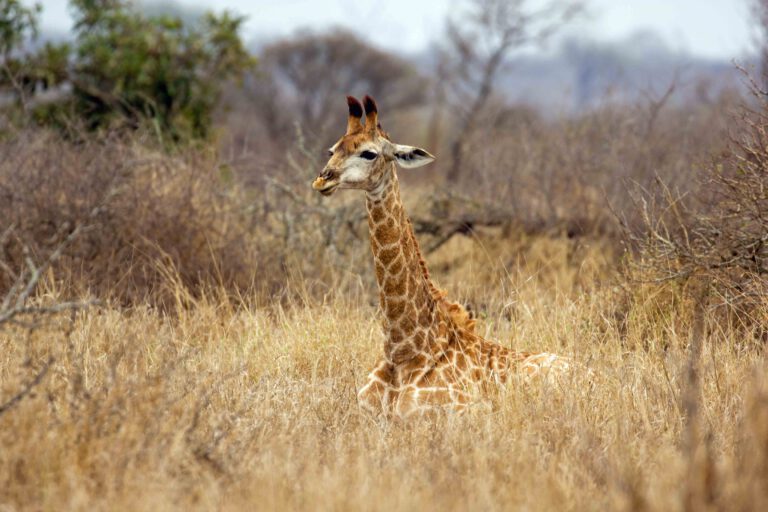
17	23
129	70
23	73
44	69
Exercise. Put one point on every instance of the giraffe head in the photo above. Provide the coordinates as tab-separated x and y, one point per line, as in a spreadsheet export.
362	157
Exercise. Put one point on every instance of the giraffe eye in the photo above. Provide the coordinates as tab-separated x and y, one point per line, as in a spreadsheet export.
368	155
330	152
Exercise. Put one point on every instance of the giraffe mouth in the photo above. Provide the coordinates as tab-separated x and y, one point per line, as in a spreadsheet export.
324	186
327	191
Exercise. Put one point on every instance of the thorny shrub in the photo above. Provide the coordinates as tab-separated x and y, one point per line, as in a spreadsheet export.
719	233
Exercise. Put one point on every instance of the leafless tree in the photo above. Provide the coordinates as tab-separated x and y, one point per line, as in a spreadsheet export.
479	42
301	80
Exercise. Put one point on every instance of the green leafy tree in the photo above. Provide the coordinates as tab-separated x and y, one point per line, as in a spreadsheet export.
21	71
130	70
17	24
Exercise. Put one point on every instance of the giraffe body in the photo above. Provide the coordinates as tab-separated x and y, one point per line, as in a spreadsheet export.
432	356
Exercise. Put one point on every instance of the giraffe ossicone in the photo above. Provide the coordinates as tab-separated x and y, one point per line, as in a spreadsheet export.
432	356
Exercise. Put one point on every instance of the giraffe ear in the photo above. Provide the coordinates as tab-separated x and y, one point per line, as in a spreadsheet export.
409	157
355	114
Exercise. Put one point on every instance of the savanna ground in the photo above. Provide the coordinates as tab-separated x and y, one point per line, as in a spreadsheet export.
221	404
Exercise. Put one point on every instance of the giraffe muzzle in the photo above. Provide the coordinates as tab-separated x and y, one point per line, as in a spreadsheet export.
325	184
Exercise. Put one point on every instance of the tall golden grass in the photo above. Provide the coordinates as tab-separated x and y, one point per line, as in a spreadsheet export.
238	315
218	404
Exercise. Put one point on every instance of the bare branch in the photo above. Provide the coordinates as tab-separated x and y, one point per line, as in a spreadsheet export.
478	48
14	303
27	389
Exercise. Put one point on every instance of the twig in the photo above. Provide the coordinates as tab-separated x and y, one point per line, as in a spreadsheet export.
14	303
18	397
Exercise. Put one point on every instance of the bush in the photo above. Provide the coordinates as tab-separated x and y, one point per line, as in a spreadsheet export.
152	224
573	175
146	218
17	23
128	69
720	234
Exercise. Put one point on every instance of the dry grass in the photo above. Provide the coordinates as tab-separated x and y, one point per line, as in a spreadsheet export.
222	406
239	317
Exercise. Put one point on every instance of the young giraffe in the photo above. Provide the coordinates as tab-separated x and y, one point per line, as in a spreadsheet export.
432	356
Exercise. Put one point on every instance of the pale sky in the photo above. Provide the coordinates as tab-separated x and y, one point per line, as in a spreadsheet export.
708	28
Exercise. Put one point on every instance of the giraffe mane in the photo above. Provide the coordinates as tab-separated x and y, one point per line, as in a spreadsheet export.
456	312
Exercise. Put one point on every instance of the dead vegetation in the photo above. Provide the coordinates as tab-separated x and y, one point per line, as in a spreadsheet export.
717	232
231	220
225	406
239	392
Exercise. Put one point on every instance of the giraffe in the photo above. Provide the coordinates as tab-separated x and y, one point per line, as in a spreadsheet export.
433	359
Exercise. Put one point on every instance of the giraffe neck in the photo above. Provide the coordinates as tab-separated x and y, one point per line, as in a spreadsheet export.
405	292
